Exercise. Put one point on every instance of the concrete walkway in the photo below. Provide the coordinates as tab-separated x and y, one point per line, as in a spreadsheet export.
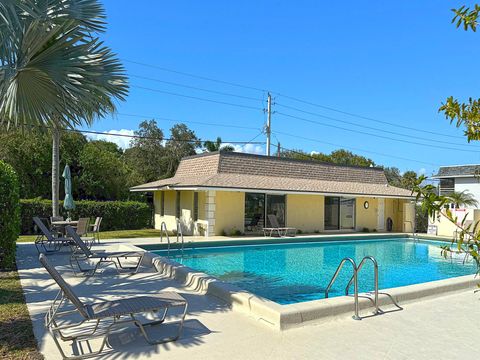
441	328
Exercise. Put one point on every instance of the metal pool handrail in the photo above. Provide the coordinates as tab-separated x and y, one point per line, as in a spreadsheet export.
375	274
355	283
163	228
180	232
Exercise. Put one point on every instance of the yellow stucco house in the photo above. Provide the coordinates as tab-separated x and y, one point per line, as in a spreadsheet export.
226	193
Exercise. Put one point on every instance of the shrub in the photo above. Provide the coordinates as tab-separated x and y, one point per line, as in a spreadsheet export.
117	215
9	215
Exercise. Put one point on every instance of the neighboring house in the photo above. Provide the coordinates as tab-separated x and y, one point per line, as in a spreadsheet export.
457	178
227	193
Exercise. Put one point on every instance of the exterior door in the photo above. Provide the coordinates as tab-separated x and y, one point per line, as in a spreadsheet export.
381	215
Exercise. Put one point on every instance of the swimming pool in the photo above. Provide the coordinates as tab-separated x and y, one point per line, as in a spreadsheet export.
297	272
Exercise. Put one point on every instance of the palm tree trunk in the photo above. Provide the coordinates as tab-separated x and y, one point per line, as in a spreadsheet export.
55	173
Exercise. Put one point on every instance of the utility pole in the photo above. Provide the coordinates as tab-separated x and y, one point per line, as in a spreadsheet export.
269	119
278	149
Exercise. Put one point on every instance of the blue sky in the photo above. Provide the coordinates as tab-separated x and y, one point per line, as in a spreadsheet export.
394	62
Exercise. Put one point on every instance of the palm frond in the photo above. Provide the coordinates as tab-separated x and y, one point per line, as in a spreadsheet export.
53	70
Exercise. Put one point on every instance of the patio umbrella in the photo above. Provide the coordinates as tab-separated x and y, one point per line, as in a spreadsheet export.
68	203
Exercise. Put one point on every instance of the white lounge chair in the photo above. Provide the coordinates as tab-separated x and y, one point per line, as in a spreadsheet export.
84	254
114	313
276	229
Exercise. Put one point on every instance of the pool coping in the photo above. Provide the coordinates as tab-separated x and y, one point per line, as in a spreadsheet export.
283	317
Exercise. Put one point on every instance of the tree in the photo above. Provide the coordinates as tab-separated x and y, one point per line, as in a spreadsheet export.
462	198
409	178
340	157
467	240
345	157
212	146
55	71
465	114
183	142
147	154
104	174
394	177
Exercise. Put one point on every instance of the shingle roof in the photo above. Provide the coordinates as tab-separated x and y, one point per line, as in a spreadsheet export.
458	170
230	170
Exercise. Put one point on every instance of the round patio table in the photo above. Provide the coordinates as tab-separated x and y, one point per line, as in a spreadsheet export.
60	225
64	223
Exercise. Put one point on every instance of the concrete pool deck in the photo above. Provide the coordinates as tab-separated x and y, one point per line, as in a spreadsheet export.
213	331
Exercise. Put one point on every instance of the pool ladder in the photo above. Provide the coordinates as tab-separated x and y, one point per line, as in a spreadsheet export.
164	231
354	279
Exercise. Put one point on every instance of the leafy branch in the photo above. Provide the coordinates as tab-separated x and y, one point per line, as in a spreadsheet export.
467	235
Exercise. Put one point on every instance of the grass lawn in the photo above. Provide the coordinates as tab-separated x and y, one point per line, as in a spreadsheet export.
16	334
118	234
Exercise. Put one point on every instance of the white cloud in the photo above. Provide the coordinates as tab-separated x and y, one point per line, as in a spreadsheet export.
313	152
422	171
121	141
247	148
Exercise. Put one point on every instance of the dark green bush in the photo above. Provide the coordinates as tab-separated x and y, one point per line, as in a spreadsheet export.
117	215
9	215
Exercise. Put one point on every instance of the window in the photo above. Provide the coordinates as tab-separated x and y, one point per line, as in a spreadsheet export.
447	186
258	206
254	211
339	213
195	206
276	206
162	204
177	205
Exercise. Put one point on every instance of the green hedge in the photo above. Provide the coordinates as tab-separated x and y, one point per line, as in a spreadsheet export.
9	215
117	215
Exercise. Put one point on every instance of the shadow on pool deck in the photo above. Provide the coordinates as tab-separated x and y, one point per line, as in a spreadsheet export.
40	290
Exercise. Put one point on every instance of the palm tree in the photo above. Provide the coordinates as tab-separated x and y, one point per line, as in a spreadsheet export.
211	146
462	198
55	73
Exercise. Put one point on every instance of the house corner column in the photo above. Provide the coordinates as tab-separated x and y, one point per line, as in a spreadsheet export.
210	212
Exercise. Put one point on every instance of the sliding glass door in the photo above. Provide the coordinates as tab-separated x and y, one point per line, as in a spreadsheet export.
259	206
339	213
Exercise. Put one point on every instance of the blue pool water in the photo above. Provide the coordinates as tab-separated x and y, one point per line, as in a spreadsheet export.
296	272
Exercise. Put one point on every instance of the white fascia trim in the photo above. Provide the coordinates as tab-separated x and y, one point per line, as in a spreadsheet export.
453	176
282	192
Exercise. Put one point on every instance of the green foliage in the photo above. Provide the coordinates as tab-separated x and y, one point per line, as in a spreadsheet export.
464	114
9	215
152	158
117	215
467	240
466	17
183	142
462	198
104	174
211	146
340	157
56	71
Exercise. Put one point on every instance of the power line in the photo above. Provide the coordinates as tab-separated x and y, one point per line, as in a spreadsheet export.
366	117
375	135
364	126
352	148
196	88
188	121
194	76
196	98
294	99
153	137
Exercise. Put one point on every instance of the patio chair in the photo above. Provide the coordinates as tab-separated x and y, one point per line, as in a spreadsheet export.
82	226
49	241
84	254
116	313
276	229
95	228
